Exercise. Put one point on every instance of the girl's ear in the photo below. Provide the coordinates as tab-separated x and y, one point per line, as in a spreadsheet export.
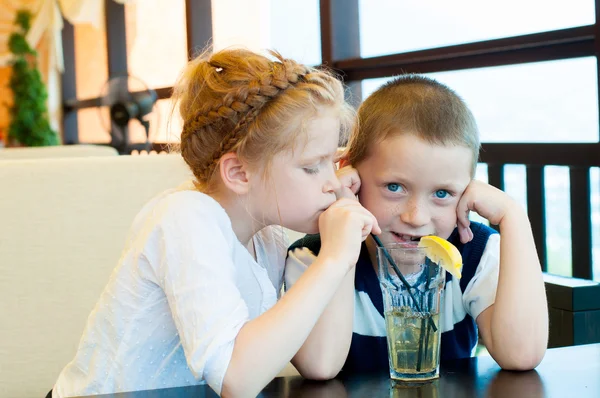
234	173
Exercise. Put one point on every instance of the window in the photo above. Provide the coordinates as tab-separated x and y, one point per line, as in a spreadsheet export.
553	101
91	61
515	183
165	124
90	127
558	220
156	41
391	26
288	26
296	30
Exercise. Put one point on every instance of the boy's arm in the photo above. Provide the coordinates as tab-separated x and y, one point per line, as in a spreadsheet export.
515	328
324	352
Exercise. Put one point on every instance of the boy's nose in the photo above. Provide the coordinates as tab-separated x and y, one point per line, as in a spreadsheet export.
415	215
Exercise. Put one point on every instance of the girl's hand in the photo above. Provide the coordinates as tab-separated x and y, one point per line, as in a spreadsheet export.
487	201
343	226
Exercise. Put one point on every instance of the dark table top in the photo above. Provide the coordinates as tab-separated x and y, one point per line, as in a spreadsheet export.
564	372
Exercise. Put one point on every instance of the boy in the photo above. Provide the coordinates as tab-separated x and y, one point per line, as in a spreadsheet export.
415	149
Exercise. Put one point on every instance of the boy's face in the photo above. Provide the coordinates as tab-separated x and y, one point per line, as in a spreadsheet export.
413	187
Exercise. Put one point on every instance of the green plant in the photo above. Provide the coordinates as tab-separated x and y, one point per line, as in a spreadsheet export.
29	124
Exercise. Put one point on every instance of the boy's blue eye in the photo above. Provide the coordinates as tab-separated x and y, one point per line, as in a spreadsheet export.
393	187
441	193
311	170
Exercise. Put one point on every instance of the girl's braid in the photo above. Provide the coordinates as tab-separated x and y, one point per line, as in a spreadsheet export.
241	106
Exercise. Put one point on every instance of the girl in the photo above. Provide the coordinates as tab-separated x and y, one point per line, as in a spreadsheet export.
194	297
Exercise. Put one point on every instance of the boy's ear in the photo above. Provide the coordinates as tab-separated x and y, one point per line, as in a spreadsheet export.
234	173
341	157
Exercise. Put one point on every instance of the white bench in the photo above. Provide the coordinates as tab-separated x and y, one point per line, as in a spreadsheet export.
63	225
60	151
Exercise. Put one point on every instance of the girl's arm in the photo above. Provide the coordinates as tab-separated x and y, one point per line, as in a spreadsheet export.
267	343
515	328
325	350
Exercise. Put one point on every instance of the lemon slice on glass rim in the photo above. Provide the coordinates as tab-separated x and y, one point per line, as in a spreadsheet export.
443	253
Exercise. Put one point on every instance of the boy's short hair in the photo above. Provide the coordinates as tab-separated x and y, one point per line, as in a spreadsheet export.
413	104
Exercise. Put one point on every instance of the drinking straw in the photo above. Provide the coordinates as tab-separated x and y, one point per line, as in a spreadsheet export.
423	348
420	354
404	281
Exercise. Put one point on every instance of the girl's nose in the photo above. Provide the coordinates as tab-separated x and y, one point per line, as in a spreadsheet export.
332	184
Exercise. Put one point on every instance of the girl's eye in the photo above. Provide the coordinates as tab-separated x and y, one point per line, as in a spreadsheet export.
393	187
441	194
311	170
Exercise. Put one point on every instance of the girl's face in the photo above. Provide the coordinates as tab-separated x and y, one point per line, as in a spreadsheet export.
300	183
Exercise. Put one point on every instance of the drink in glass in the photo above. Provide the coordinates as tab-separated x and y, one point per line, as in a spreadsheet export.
412	287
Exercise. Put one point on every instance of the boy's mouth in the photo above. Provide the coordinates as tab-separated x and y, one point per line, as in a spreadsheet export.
405	237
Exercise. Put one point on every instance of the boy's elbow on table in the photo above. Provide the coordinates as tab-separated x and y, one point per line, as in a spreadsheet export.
522	361
322	363
320	372
237	390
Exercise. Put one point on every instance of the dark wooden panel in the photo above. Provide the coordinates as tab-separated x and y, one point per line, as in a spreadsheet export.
340	34
536	209
198	17
587	154
586	327
161	146
115	38
573	328
546	46
74	104
69	81
164	92
561	328
496	175
71	104
496	178
572	294
581	223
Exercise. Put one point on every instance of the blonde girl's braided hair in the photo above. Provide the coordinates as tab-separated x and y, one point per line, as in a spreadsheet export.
239	101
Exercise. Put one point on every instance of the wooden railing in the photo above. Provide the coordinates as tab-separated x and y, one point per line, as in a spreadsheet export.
579	158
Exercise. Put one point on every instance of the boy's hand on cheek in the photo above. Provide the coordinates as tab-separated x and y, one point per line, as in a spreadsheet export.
487	201
349	183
